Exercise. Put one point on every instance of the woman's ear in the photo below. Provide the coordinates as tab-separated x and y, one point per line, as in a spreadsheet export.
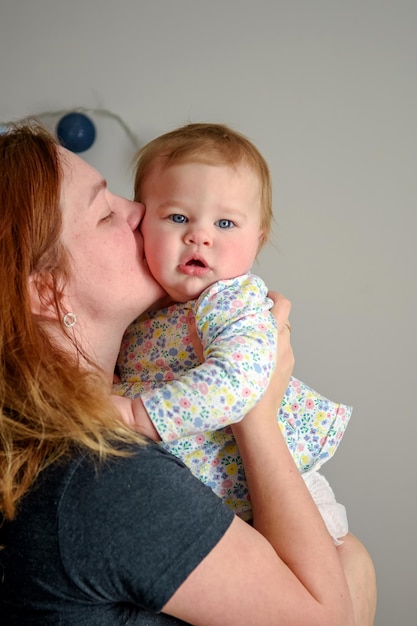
41	294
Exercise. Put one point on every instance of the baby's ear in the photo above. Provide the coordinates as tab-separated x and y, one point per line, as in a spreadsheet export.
41	296
261	239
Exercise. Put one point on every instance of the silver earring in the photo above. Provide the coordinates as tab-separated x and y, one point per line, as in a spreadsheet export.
69	319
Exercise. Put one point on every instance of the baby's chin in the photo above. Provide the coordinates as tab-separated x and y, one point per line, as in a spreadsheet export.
185	294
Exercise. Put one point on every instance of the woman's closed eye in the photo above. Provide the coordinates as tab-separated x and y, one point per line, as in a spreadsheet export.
107	218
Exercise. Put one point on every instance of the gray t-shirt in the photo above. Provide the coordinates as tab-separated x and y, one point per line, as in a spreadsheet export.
106	543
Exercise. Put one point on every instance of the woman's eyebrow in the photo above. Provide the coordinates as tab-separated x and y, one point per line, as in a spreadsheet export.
95	190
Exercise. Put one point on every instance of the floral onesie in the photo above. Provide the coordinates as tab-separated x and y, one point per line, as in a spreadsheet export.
192	404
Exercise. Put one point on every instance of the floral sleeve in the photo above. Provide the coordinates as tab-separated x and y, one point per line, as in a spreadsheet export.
238	334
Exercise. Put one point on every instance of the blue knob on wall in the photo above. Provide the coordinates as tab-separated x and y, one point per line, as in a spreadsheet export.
76	132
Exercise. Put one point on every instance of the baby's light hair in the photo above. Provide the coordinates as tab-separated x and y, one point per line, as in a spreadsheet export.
207	143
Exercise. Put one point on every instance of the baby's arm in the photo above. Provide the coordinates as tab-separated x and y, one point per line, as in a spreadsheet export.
238	334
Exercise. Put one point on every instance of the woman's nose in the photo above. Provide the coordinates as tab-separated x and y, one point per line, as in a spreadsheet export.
136	211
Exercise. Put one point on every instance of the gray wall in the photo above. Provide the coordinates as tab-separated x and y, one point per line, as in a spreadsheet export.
327	90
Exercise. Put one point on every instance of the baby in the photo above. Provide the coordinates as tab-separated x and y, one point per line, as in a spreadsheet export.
207	193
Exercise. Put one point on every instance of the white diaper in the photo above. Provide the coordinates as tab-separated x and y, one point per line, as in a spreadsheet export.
332	512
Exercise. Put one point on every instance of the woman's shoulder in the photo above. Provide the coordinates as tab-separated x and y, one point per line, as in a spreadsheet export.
131	457
148	484
127	529
139	471
144	517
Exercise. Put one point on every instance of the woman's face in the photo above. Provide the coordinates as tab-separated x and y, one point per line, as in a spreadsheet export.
111	282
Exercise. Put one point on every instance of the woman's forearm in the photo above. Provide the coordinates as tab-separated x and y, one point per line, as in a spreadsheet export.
284	512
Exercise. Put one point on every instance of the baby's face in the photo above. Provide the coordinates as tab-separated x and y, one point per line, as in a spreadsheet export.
201	225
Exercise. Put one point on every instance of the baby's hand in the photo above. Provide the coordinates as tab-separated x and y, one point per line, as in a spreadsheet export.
134	414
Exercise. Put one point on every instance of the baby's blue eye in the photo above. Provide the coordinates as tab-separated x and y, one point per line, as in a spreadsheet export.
178	218
225	224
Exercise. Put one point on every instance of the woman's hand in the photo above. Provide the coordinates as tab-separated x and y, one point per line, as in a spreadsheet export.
285	357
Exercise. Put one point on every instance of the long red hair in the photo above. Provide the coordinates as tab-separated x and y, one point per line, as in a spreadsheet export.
48	403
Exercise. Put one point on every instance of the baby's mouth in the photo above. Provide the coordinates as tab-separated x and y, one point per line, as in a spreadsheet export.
196	262
194	266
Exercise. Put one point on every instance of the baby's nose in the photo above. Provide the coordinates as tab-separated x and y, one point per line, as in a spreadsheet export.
199	236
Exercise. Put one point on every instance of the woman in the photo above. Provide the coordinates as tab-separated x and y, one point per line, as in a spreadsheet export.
101	526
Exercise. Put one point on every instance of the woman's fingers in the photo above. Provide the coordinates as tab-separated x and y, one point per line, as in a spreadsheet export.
281	309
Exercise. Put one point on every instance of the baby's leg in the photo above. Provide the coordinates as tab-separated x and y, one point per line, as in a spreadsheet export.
360	574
